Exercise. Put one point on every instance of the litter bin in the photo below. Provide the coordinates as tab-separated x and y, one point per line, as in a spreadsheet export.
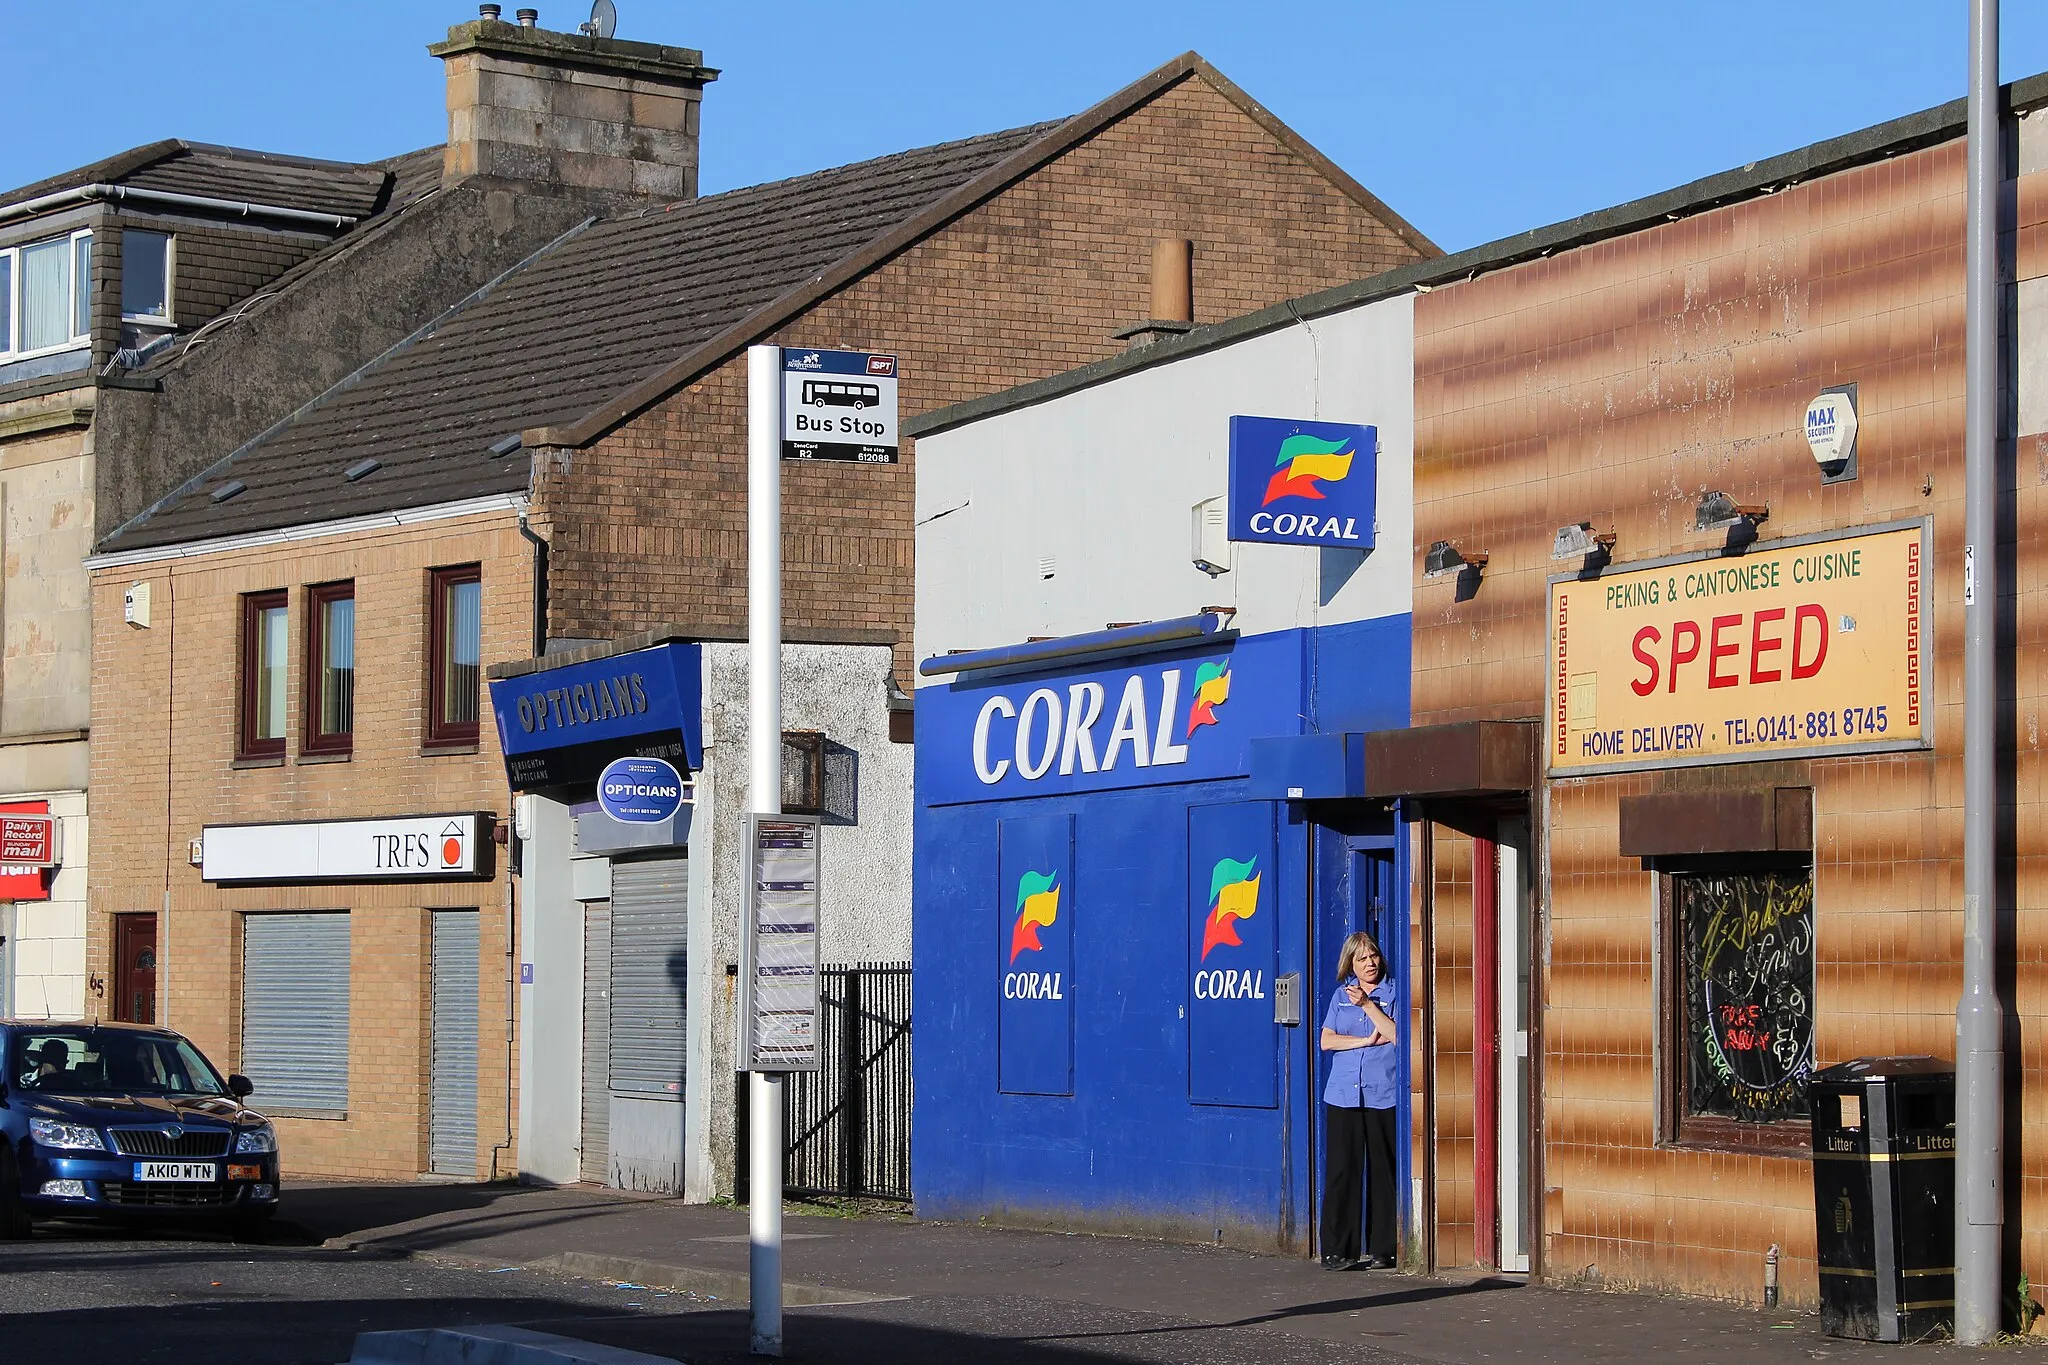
1884	1168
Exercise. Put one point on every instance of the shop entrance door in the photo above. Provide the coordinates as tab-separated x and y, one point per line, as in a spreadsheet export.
1358	886
135	969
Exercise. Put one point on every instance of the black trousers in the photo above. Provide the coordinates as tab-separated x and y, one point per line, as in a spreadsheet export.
1358	1146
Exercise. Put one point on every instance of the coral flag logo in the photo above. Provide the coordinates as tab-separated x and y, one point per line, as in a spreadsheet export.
1038	906
1304	462
1212	689
1233	895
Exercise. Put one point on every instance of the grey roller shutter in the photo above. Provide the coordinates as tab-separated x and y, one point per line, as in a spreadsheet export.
295	1010
650	932
596	1159
452	1143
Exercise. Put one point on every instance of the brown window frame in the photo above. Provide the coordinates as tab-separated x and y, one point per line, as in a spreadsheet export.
313	741
254	604
440	733
1676	1127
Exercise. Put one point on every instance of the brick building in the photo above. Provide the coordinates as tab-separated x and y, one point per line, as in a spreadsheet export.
109	273
569	438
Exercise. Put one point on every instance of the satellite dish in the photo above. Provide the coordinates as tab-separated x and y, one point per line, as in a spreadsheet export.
604	19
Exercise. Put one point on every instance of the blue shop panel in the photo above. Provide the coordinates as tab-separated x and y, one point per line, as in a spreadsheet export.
1035	955
1233	954
561	726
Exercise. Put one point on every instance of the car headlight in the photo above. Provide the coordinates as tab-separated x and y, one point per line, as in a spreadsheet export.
75	1136
262	1139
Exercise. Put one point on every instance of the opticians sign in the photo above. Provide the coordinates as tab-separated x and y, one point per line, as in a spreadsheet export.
1809	648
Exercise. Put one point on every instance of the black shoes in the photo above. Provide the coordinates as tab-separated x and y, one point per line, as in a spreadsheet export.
1338	1263
1348	1263
1379	1263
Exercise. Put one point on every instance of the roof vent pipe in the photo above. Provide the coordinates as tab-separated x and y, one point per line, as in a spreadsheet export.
528	18
1173	280
490	12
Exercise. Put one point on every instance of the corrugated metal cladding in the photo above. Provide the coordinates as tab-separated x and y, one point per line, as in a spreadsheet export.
295	1010
649	1000
1616	384
452	1141
595	1159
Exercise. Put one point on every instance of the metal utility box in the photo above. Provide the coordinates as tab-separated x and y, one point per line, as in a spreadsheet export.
1884	1148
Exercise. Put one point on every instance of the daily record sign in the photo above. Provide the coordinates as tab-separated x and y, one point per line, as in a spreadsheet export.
838	405
640	791
1818	648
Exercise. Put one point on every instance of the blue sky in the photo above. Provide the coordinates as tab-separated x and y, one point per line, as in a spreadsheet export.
1474	120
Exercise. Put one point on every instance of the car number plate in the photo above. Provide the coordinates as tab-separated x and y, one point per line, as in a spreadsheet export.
175	1170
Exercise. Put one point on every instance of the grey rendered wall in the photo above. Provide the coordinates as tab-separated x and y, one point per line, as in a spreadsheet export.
839	690
1102	480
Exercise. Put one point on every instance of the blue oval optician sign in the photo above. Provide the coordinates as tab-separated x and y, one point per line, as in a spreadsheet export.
640	791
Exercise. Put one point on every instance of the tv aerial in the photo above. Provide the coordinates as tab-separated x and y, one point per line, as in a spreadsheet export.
603	21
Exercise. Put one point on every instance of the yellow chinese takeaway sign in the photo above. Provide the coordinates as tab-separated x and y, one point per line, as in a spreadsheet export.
1805	649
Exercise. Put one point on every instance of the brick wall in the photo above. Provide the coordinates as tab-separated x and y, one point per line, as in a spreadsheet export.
648	524
165	718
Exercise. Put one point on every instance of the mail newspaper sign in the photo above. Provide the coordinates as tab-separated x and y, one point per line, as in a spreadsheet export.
30	841
1819	647
1303	483
839	405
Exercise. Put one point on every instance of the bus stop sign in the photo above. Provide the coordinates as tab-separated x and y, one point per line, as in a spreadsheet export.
838	405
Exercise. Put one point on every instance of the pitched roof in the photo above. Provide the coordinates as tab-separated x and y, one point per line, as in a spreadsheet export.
175	166
615	315
600	308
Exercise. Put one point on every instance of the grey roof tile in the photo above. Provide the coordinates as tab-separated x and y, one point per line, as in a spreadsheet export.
600	310
197	168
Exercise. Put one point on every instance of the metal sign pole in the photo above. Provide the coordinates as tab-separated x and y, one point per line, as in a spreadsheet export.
764	727
1980	1021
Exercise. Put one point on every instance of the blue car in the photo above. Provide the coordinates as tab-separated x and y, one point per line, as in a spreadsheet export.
110	1121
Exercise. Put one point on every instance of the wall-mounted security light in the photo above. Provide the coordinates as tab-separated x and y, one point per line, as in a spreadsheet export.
1579	541
1444	559
1717	511
1831	432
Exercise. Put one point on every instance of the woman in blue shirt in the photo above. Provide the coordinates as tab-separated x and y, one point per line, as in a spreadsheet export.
1358	1107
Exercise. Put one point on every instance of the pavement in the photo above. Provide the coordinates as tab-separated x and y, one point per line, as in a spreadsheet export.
888	1288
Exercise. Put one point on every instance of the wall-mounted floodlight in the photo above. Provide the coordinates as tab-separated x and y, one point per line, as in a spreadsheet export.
1445	558
1580	540
1718	511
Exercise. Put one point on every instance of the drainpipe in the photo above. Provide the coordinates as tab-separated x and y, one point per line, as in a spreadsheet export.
540	587
1980	1018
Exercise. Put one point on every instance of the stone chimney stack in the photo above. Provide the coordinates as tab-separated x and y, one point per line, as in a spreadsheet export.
570	109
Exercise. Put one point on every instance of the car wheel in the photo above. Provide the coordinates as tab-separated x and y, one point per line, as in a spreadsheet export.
14	1220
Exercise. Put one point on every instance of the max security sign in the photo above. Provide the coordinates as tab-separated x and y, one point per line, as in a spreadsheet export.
404	847
839	405
1303	483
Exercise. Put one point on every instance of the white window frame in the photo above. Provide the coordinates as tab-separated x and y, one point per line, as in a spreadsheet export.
163	319
17	283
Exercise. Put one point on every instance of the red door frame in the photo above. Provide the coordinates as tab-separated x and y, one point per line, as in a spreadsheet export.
129	937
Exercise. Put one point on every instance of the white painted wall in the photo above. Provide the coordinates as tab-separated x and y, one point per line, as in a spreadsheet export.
1102	480
840	690
551	1006
46	946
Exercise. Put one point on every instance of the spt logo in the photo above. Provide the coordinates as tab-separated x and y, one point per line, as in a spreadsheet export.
1305	463
1212	689
1038	907
1233	897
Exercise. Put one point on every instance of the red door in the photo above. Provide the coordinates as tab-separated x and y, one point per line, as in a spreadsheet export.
135	968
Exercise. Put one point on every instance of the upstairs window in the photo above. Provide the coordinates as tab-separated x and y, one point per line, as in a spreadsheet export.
145	276
46	295
263	675
455	654
330	669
